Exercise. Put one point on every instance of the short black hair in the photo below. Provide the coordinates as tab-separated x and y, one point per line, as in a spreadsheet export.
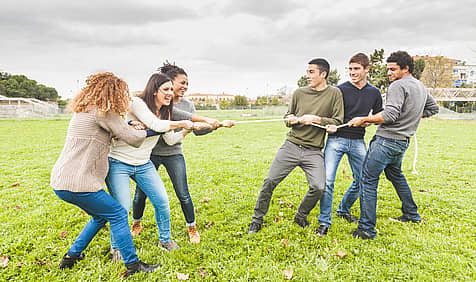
322	65
171	70
403	59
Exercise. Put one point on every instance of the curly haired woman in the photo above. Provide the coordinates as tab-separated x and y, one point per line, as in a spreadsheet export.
78	174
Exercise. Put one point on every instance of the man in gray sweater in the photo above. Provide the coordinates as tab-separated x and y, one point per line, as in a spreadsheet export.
407	102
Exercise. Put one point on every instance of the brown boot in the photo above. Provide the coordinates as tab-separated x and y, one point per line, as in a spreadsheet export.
193	234
136	228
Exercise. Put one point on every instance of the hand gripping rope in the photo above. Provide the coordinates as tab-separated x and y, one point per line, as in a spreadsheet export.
414	171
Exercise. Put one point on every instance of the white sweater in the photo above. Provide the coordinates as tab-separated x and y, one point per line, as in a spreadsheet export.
138	156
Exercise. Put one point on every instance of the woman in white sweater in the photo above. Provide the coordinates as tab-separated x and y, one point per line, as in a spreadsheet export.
154	109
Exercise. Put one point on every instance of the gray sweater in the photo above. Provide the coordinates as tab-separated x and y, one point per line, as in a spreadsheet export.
162	148
407	102
82	165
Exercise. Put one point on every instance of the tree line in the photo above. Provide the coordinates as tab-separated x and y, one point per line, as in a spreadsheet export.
21	86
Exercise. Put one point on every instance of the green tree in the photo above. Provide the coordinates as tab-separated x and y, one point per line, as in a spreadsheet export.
438	72
22	86
302	81
419	67
223	104
333	77
240	101
378	71
274	101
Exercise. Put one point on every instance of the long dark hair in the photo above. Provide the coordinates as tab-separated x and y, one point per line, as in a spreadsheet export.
153	85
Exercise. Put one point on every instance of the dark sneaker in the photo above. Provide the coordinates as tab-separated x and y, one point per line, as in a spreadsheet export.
254	227
359	233
404	219
301	221
139	266
322	230
68	262
349	217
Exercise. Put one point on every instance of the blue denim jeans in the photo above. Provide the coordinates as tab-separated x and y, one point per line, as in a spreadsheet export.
102	207
335	149
175	166
117	181
384	154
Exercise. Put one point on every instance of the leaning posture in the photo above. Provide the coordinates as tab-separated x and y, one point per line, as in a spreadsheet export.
360	98
319	104
78	175
407	102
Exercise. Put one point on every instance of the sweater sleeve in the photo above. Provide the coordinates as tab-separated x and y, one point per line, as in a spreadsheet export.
113	123
141	111
172	137
291	109
431	107
394	103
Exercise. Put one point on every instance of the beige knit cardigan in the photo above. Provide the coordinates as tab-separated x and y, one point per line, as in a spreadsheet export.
82	165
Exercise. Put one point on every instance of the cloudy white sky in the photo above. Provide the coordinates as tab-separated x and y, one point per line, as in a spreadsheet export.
245	47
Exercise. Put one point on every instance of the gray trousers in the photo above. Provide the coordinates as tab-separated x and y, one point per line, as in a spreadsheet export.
287	158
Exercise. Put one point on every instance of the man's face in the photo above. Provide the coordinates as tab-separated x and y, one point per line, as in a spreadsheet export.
395	72
358	73
314	76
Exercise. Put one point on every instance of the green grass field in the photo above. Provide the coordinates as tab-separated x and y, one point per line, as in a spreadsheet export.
225	172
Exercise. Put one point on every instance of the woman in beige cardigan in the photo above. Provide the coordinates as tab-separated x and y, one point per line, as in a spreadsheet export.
78	175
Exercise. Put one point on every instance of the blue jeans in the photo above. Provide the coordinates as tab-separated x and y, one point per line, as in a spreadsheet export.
117	181
175	166
102	207
384	154
335	149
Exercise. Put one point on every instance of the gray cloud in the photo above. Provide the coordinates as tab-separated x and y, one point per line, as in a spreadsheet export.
268	9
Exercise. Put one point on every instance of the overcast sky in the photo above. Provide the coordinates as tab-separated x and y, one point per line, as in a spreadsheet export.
234	46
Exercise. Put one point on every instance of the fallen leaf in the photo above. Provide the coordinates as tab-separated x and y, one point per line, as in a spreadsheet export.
210	224
285	242
341	255
17	207
3	261
206	199
16	184
81	212
335	242
423	190
19	264
288	273
63	234
202	272
290	205
181	276
277	219
123	274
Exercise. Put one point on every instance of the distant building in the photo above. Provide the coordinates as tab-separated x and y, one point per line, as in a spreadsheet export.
213	99
465	75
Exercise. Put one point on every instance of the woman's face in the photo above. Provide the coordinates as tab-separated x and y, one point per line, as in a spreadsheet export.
165	94
180	85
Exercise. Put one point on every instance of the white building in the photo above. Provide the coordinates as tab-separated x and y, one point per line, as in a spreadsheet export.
465	74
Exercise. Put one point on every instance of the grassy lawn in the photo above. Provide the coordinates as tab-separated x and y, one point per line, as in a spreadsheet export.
225	171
